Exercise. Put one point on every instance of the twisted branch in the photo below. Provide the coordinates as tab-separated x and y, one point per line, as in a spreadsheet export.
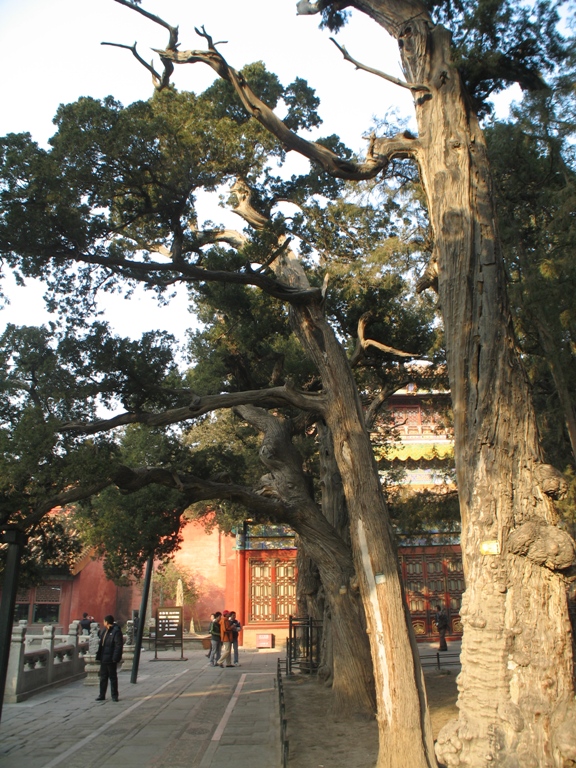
363	343
389	78
286	395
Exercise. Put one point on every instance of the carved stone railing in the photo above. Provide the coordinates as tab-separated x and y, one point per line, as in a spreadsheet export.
57	661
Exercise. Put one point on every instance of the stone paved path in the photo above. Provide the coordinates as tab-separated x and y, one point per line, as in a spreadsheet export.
179	714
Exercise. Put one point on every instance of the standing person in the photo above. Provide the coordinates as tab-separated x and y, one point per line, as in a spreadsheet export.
442	624
215	642
109	654
209	632
236	628
85	622
226	637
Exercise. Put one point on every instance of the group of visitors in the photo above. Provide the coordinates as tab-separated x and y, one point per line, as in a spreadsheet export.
224	630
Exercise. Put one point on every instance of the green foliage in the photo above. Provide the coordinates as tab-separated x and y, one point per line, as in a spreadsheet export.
52	547
225	449
534	164
419	515
499	42
41	388
125	529
120	183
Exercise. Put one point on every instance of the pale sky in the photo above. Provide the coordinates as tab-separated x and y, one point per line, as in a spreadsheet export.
51	53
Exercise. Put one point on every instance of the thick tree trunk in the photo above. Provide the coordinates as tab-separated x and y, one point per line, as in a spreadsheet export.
516	695
404	724
353	680
335	511
405	734
310	602
309	594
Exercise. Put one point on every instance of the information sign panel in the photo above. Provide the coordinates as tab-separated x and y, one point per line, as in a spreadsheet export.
169	628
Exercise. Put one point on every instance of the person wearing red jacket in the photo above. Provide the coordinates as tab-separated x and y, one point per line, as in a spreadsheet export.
226	637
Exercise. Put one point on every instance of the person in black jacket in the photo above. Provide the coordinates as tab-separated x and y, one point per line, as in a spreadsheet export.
85	622
109	654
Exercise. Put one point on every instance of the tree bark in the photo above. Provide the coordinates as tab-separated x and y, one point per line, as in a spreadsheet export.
353	683
516	694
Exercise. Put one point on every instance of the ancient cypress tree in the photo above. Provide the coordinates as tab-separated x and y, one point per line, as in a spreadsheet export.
515	555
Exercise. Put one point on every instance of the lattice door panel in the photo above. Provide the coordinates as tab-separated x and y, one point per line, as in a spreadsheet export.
285	591
260	591
272	590
431	580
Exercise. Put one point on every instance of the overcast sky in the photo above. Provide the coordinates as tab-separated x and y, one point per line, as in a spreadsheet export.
51	53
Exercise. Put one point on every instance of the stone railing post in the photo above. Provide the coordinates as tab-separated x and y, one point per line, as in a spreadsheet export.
92	667
128	652
73	632
15	662
48	633
74	640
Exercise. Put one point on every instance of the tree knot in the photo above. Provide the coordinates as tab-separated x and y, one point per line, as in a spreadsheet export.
543	544
550	481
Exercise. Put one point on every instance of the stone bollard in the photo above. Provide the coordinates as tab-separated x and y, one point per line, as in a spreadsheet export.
15	662
92	667
73	633
128	652
48	632
93	639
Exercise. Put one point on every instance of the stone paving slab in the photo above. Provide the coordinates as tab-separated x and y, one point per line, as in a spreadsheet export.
178	715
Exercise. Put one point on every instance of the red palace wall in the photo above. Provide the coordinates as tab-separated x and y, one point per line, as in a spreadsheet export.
208	556
259	584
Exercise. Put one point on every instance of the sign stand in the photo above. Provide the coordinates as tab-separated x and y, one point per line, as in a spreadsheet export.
169	632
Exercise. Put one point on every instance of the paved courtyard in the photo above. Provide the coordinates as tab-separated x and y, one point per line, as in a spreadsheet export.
180	713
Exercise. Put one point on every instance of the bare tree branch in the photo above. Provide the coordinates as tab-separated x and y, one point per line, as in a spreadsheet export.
375	161
156	78
305	8
159	81
243	205
390	78
363	343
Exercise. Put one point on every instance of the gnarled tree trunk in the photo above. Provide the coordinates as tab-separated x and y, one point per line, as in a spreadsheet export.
353	683
516	694
405	734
